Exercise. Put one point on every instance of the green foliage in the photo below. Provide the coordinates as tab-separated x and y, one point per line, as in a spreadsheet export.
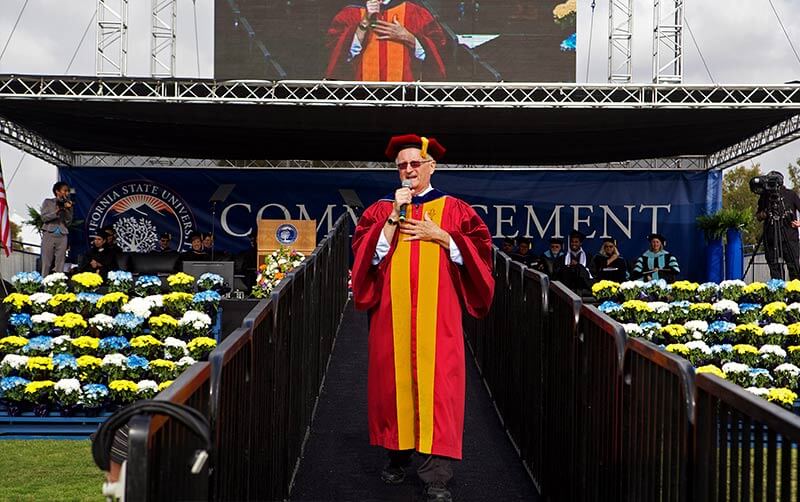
794	175
16	236
48	470
736	195
711	226
735	218
34	219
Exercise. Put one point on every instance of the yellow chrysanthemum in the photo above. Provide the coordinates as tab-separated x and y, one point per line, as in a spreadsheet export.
88	279
674	330
144	341
710	368
13	343
161	363
85	361
70	320
772	308
180	279
749	328
164	385
793	286
112	298
39	363
605	286
60	298
685	285
637	305
781	396
86	342
163	320
678	348
18	300
744	348
38	386
123	385
201	342
754	287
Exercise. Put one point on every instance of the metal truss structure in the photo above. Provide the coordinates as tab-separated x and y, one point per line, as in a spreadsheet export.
323	93
135	161
620	40
34	144
769	139
163	42
667	41
111	58
393	94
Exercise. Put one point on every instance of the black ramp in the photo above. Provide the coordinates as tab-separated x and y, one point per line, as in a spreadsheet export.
339	464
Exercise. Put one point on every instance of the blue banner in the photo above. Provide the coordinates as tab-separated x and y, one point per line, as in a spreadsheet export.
141	203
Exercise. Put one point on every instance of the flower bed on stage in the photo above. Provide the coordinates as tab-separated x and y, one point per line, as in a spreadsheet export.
746	333
71	348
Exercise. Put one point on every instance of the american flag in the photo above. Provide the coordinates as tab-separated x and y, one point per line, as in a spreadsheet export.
5	225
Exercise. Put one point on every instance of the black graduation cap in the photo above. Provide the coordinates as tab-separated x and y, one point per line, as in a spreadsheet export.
556	240
580	235
657	236
610	240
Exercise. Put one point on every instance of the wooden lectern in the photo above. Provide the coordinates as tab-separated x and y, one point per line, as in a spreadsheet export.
300	235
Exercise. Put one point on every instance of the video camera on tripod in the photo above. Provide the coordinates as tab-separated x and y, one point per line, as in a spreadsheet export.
770	185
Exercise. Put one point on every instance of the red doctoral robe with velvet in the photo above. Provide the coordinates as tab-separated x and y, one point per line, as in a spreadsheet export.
385	60
415	297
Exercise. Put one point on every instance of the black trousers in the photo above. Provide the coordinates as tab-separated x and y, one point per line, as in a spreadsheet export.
433	469
791	255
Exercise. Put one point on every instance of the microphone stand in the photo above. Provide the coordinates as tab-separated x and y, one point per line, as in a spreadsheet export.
213	227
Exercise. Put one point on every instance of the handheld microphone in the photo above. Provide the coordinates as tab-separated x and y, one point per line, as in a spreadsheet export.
402	217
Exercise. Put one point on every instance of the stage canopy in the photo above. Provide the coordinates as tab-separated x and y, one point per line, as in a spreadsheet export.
481	124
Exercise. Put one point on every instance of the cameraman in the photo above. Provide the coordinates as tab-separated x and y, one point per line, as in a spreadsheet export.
56	218
779	206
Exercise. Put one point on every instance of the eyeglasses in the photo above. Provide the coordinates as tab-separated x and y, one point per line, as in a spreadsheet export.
415	164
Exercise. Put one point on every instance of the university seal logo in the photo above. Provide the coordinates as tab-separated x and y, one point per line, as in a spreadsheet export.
286	234
139	211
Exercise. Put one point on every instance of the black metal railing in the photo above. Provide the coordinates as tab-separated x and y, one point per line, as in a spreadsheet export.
598	416
745	447
259	389
657	421
161	450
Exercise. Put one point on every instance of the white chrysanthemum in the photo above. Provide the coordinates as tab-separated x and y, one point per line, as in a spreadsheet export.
787	368
696	329
40	298
698	345
14	361
735	368
155	300
197	320
734	283
659	307
723	305
776	329
68	385
631	285
793	306
146	385
758	391
61	340
118	360
632	329
772	349
44	317
139	307
54	278
186	361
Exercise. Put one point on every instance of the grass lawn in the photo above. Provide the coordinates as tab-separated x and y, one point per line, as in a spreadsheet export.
48	470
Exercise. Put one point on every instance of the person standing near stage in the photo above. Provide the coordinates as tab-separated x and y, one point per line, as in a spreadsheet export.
56	218
656	263
415	277
787	204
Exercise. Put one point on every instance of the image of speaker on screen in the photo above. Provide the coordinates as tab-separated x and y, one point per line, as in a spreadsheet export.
386	41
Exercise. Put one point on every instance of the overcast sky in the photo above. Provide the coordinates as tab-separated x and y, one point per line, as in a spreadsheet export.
741	41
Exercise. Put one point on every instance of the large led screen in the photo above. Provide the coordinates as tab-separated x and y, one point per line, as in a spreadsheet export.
396	40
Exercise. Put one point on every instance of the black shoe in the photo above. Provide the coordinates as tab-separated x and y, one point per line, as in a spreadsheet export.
437	491
393	475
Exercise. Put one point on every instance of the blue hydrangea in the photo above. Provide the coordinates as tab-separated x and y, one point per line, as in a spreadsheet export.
148	280
721	327
88	297
722	348
609	306
128	321
95	391
27	278
776	284
20	320
117	276
8	383
746	307
650	325
570	43
63	361
211	296
38	344
113	344
138	362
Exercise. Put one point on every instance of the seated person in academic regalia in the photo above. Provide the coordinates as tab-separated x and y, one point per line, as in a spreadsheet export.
111	245
196	253
547	262
524	253
608	265
164	243
572	268
509	246
98	258
656	263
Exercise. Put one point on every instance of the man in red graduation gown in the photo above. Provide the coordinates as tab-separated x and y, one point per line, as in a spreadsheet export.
385	41
420	258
